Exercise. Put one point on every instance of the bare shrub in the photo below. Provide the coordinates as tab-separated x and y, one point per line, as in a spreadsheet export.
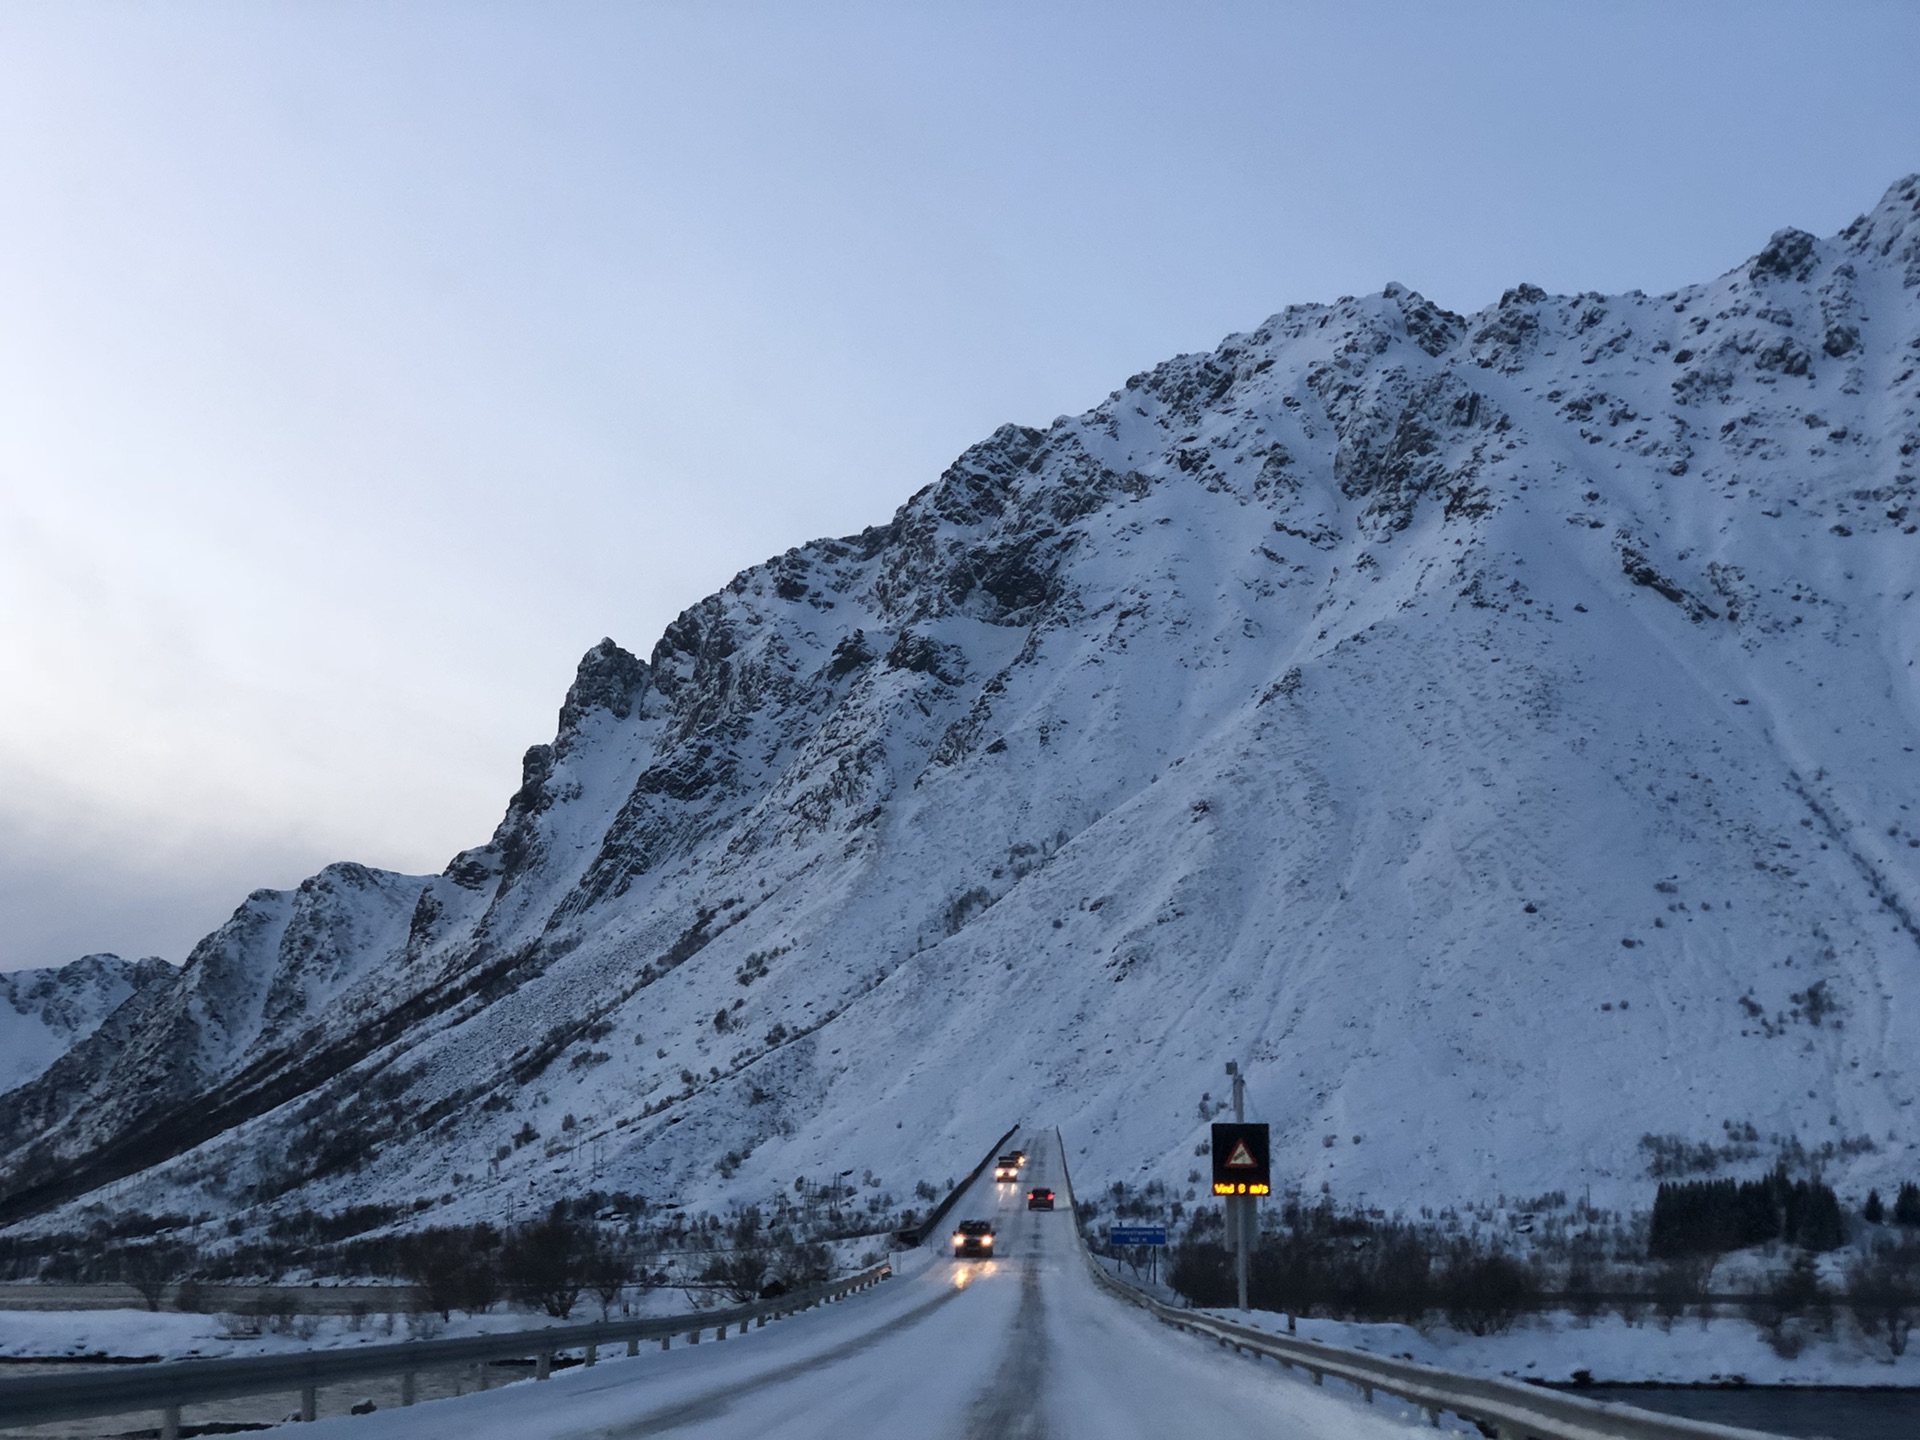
1884	1292
1584	1298
738	1274
1778	1313
608	1272
1676	1285
1624	1292
1485	1294
150	1269
544	1263
800	1265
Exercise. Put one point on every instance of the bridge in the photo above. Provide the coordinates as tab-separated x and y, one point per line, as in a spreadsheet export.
1036	1342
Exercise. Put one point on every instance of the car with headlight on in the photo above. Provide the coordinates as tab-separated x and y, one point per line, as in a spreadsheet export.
1006	1170
973	1240
1040	1199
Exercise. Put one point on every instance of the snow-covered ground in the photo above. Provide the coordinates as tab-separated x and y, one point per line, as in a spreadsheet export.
140	1334
1552	1347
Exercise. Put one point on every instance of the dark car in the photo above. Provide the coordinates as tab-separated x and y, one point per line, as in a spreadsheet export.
973	1240
1039	1199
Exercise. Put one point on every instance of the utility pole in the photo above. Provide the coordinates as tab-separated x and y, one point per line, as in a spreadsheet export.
1241	1220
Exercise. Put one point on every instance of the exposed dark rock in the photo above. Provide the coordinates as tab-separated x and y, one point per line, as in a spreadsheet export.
1789	255
609	678
928	657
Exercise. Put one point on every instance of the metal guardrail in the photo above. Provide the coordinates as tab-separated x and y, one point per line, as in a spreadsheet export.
38	1399
1513	1411
918	1234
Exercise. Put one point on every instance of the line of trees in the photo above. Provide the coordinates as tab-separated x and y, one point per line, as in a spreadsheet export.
1712	1217
1345	1266
1360	1265
547	1264
1906	1207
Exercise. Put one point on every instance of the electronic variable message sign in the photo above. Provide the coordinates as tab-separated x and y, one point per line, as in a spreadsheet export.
1240	1163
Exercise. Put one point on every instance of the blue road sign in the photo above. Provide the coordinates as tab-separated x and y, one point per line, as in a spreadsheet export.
1136	1235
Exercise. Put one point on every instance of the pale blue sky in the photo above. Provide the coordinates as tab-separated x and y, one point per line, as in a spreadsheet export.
362	364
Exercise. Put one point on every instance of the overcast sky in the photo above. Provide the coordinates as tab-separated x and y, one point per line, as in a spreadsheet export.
363	364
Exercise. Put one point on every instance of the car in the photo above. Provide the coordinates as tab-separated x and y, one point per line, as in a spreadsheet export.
1041	1199
1006	1170
1019	1157
973	1240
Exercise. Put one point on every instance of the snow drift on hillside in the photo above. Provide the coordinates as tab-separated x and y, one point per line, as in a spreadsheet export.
1497	731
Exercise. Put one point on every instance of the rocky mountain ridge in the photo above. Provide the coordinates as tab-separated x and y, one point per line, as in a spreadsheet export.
1455	718
45	1013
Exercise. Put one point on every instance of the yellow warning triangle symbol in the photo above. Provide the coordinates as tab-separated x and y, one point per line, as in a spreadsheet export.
1241	1158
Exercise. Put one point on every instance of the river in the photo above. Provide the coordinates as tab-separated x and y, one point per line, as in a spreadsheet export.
1838	1414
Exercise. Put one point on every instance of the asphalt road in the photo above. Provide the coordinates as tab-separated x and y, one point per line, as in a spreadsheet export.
1020	1347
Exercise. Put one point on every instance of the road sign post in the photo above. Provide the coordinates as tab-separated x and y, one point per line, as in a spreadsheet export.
1151	1238
1242	1173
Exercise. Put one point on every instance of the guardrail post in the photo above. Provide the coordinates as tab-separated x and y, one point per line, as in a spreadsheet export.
1433	1415
719	1332
633	1346
694	1338
486	1377
407	1388
761	1323
309	1404
1318	1377
1366	1392
543	1365
593	1354
170	1423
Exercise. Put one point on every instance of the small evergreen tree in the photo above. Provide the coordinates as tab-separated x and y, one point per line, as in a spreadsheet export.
1820	1227
1906	1205
1873	1212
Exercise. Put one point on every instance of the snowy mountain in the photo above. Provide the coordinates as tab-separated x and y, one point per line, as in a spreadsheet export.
45	1013
1497	731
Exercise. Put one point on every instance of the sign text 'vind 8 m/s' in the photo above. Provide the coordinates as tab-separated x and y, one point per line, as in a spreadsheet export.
1240	1160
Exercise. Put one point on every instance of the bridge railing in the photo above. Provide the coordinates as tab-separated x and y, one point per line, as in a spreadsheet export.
918	1234
167	1387
1509	1409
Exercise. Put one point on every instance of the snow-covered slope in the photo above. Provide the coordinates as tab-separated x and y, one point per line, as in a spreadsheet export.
45	1013
1497	731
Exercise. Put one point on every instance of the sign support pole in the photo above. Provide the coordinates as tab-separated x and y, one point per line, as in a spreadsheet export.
1243	1262
1242	1173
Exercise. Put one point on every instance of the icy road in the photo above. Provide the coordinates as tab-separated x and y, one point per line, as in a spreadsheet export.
1023	1345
